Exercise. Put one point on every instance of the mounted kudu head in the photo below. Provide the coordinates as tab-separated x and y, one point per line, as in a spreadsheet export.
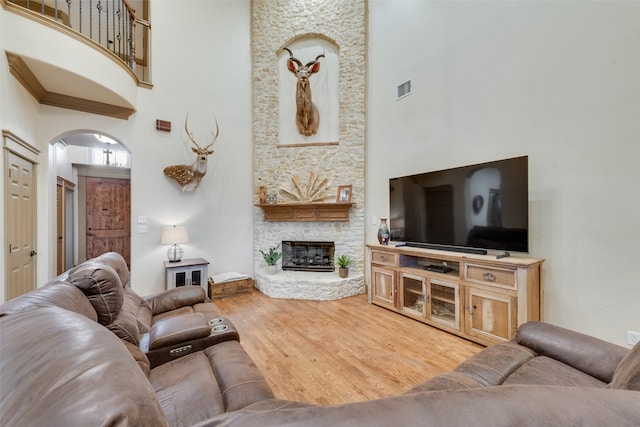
307	115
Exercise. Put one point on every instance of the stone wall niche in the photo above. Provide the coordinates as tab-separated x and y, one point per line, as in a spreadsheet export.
324	90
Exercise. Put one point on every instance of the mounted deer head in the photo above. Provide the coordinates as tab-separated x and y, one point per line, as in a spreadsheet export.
188	177
307	116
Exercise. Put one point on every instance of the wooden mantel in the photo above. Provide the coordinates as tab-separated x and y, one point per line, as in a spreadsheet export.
309	212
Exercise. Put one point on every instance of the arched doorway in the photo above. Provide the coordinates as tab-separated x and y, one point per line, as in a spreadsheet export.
98	167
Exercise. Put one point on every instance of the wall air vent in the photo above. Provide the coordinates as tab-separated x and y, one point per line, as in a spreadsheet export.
403	89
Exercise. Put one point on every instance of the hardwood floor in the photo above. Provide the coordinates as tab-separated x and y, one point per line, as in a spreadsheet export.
333	352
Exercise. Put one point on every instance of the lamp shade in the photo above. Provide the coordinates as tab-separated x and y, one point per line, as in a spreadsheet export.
174	235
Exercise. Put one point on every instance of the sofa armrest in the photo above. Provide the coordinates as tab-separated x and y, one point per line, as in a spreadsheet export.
174	299
179	329
176	337
590	355
522	405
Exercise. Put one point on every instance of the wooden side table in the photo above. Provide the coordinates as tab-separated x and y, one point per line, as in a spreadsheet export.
188	272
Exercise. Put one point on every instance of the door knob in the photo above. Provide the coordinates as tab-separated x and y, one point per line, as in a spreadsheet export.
33	253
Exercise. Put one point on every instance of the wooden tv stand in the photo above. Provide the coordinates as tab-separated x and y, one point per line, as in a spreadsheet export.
479	297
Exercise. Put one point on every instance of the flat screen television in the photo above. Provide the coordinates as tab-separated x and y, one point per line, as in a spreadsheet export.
472	208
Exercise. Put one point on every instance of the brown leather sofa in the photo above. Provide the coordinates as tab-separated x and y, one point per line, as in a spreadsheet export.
85	350
547	376
63	362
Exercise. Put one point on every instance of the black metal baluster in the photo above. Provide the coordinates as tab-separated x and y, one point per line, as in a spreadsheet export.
106	8
125	28
113	27
69	13
91	19
121	32
119	13
132	52
99	7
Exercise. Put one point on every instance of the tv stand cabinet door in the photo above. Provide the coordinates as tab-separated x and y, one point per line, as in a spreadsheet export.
384	287
490	316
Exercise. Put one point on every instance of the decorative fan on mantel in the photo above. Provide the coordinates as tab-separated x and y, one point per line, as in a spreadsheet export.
314	190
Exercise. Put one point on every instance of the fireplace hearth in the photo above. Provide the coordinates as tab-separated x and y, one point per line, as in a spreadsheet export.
308	256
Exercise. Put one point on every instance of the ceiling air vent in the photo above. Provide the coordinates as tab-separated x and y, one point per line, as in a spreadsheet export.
403	89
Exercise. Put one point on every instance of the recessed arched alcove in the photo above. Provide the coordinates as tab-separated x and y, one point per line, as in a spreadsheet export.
323	85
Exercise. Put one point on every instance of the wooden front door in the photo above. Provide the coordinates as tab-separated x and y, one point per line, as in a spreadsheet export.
20	226
108	217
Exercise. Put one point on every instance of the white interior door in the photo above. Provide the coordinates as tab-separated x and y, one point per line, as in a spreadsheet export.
20	214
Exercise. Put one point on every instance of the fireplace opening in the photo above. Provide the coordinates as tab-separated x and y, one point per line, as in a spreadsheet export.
307	256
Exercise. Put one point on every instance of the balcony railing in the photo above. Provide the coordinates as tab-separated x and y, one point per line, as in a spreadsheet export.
110	23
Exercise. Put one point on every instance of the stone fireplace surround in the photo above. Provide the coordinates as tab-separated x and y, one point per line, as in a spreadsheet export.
309	285
308	272
312	285
274	25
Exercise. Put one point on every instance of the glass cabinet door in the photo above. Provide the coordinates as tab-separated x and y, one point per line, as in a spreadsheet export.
181	278
413	294
196	277
444	303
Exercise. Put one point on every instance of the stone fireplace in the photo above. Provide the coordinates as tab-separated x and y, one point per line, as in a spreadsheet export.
340	159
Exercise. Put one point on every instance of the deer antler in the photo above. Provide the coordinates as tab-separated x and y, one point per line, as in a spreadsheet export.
215	135
191	138
186	128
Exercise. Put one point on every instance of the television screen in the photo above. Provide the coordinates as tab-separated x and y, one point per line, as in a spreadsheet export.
483	206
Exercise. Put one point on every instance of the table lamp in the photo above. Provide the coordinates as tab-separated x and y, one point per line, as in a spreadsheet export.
174	236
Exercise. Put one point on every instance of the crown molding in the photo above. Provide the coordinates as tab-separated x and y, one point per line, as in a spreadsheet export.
21	71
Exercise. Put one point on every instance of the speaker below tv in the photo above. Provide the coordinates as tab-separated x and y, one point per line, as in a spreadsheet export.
450	248
469	209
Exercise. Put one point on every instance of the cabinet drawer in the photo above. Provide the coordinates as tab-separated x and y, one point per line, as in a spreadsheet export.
384	258
492	276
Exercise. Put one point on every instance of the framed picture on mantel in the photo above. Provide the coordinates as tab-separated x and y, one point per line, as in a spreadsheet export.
344	194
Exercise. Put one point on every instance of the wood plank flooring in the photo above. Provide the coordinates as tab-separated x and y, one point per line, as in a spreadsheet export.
333	352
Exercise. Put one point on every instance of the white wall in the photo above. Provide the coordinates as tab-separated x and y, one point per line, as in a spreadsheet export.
557	81
19	115
202	66
201	63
